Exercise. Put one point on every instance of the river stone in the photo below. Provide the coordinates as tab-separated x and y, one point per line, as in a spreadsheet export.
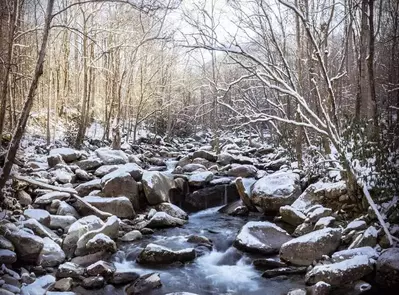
39	286
368	238
211	157
144	284
54	160
64	209
350	253
89	164
305	249
41	230
355	225
27	246
156	254
46	199
6	244
324	222
225	159
67	154
120	183
63	176
156	187
123	276
7	256
199	179
119	206
101	268
93	282
297	292
11	288
288	270
100	242
342	272
60	221
268	263
24	198
132	236
39	214
61	293
105	169
291	215
82	175
318	213
78	229
69	269
51	254
276	190
110	229
85	188
387	275
162	219
193	167
112	157
89	259
64	284
261	237
172	210
245	171
320	288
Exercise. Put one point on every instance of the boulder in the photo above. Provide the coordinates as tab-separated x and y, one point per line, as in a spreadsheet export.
67	154
89	164
105	169
305	249
156	254
292	216
82	175
276	190
261	237
112	157
46	199
40	215
41	230
225	159
156	187
69	270
61	221
281	271
324	222
350	253
100	242
211	157
54	160
355	225
162	219
144	284
132	236
39	286
368	238
6	244
63	176
193	167
51	254
85	188
27	246
7	256
123	276
387	275
245	171
24	198
63	285
64	209
318	213
339	273
101	268
200	178
172	210
110	229
78	229
119	206
120	183
93	282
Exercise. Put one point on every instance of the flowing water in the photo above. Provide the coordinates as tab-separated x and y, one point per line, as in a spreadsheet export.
223	270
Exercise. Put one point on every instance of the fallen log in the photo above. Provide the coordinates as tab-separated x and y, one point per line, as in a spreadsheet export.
45	185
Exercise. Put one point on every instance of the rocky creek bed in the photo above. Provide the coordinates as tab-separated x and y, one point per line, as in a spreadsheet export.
104	221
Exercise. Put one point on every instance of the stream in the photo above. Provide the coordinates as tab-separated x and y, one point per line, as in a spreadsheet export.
223	270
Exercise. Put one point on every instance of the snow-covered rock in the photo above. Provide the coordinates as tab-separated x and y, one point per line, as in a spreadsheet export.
156	186
324	222
291	215
40	215
46	199
318	213
339	273
238	170
119	206
355	225
368	238
51	254
349	253
61	221
276	190
85	188
112	157
387	275
120	183
162	219
200	178
67	154
307	248
261	237
172	210
156	254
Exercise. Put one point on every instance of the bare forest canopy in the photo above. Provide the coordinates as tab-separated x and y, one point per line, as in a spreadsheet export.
313	74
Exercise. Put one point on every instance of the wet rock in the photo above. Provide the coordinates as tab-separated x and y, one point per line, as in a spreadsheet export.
387	275
119	206
67	154
342	272
305	249
350	253
172	210
85	188
268	263
7	256
368	238
101	268
132	236
144	284
261	237
27	246
276	190
112	157
93	282
51	254
155	254
78	229
162	219
70	269
46	199
271	273
291	215
24	198
110	229
121	277
156	187
200	178
64	284
40	215
195	239
89	164
238	170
